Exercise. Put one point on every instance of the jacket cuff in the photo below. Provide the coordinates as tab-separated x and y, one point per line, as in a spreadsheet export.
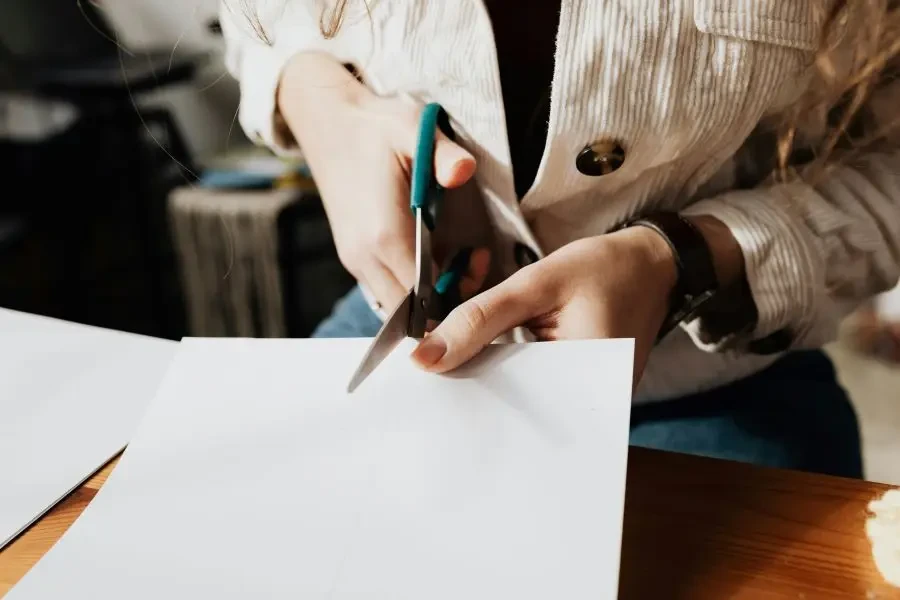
783	271
258	114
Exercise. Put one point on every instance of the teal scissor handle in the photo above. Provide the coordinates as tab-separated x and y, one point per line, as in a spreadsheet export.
449	279
446	289
425	192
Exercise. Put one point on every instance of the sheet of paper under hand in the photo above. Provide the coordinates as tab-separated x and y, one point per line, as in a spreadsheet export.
254	475
70	398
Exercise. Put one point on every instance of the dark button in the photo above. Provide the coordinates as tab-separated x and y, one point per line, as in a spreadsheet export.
524	254
600	158
775	343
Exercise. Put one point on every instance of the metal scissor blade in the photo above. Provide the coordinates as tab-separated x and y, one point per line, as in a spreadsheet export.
392	332
422	292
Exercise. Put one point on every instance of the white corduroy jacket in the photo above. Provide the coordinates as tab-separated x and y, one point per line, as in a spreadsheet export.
681	86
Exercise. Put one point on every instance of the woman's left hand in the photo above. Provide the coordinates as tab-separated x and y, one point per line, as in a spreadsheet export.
616	285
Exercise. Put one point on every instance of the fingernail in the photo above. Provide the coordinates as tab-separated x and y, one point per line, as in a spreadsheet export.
429	351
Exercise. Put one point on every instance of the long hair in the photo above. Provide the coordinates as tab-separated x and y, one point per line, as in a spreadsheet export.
858	54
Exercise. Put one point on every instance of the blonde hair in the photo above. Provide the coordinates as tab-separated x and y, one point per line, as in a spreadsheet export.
859	53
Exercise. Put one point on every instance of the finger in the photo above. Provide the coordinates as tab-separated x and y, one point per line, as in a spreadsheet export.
453	166
479	265
398	255
394	247
470	283
473	325
385	287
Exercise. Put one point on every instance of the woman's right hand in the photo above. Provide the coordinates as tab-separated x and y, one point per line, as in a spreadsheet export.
359	148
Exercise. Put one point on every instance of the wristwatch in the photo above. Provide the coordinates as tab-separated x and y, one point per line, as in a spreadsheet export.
696	284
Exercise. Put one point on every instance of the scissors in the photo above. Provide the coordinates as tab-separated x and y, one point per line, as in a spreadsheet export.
425	300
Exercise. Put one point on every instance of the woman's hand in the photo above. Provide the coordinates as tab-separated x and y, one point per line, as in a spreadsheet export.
359	148
610	286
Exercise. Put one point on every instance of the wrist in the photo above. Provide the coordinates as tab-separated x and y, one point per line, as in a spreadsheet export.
656	256
691	251
314	83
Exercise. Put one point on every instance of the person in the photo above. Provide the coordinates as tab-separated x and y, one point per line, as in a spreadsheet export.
716	179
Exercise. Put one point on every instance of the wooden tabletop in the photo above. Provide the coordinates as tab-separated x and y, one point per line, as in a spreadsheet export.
694	528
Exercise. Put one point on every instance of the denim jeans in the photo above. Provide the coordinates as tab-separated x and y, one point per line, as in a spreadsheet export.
793	415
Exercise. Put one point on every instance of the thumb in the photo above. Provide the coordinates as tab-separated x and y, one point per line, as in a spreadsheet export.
472	326
453	166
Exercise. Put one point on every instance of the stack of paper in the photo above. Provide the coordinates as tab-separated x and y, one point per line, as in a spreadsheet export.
254	475
71	396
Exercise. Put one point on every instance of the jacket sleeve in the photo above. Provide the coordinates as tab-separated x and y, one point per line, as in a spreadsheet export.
813	251
260	39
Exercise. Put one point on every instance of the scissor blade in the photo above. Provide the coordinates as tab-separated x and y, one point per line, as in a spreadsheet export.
423	256
422	292
389	336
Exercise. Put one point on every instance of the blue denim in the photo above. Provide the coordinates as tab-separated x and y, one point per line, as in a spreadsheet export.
793	415
351	318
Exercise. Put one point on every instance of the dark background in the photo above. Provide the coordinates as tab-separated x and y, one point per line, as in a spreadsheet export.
83	223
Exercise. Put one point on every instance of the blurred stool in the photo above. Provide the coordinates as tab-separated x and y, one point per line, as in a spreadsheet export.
226	243
257	262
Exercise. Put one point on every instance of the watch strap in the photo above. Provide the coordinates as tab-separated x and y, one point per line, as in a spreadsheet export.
696	281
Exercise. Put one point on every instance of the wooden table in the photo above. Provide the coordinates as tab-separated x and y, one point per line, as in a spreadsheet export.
694	528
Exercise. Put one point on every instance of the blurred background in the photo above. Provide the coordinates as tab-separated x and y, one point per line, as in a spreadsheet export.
133	201
126	174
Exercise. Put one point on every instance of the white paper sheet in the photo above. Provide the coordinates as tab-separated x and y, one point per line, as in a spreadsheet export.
253	475
70	398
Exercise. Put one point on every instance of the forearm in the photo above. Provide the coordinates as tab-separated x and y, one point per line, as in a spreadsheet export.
811	251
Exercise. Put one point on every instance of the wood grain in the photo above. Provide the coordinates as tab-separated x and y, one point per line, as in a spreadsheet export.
19	556
694	528
703	528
